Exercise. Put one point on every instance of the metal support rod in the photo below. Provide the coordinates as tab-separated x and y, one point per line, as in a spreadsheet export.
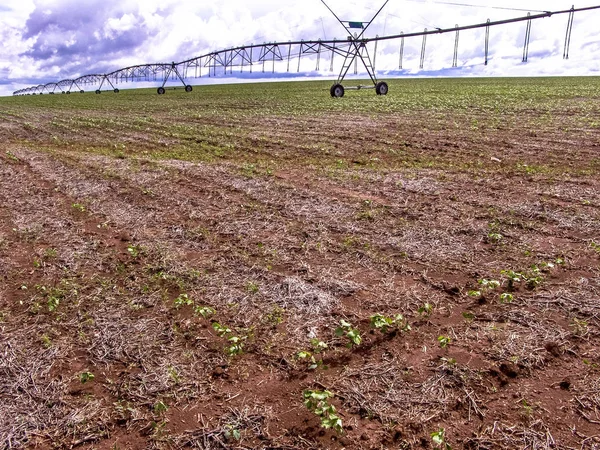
375	54
300	54
487	41
526	43
569	31
422	63
289	56
455	57
318	56
401	52
332	55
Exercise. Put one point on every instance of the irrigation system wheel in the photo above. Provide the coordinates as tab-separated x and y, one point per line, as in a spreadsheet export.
381	88
188	88
116	91
81	91
337	90
68	92
160	90
98	91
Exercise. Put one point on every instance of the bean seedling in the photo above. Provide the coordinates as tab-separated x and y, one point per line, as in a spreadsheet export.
385	324
317	402
346	329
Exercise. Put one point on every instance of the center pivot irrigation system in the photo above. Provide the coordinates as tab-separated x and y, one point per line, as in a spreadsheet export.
258	57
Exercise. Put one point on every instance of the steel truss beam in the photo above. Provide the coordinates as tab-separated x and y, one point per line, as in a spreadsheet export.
351	50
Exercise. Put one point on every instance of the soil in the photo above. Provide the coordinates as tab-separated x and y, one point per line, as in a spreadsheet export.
106	261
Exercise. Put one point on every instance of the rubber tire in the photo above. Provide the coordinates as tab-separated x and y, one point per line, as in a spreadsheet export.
381	88
188	88
337	91
98	91
81	91
160	91
68	92
116	91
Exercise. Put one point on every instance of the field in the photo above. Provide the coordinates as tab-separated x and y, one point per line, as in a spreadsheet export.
264	267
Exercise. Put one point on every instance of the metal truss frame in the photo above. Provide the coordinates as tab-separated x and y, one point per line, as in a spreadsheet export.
267	56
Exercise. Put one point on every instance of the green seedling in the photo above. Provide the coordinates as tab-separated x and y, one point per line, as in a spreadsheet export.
439	440
160	407
231	433
534	277
183	300
489	284
252	287
385	324
425	310
86	376
318	346
173	374
506	297
579	326
204	311
79	207
512	277
220	329
133	250
444	341
235	344
318	402
46	341
494	238
346	329
53	303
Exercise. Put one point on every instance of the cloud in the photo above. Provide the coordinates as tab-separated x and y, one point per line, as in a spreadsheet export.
50	40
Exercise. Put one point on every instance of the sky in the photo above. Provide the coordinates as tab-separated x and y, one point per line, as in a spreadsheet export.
51	40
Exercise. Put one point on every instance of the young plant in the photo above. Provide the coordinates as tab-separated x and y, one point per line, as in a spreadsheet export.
160	407
385	324
444	341
346	329
53	303
579	326
489	284
439	440
318	347
318	402
220	329
494	238
232	433
86	376
204	311
134	250
79	207
506	297
512	277
235	344
183	300
425	310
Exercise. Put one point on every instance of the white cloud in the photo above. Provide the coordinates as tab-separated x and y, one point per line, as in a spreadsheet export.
131	32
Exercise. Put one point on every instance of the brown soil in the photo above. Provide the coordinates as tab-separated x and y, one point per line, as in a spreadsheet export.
95	250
